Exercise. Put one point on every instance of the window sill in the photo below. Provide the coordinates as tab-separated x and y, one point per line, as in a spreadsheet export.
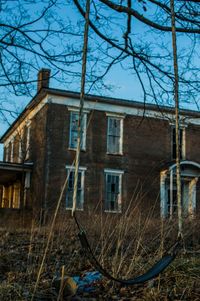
115	154
76	209
112	211
74	149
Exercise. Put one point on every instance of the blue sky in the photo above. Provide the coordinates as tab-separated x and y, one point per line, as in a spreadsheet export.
121	78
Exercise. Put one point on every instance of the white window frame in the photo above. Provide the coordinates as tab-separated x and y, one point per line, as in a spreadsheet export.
12	150
83	142
82	172
121	120
20	152
6	150
27	148
119	173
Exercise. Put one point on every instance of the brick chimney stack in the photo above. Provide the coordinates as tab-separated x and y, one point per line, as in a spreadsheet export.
43	79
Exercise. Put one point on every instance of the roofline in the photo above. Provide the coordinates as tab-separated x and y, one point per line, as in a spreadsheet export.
120	101
34	101
91	97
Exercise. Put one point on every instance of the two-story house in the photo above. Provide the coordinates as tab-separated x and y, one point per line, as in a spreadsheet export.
127	155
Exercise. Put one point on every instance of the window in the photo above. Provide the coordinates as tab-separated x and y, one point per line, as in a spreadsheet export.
73	136
113	188
114	135
12	150
20	157
6	153
80	189
27	147
181	143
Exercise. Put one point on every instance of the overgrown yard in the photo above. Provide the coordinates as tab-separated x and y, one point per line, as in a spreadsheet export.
124	246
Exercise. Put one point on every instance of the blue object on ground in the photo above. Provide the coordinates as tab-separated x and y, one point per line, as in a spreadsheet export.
86	283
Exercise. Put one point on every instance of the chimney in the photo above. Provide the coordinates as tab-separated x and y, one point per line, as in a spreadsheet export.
43	79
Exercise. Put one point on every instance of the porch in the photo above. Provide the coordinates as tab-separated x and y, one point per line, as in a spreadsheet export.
14	184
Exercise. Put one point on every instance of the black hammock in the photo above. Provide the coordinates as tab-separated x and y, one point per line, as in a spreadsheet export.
157	268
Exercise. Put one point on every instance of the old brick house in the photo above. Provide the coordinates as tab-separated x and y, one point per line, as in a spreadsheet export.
127	156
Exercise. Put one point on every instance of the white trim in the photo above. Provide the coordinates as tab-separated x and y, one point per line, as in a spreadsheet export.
183	149
27	148
192	197
72	167
75	109
74	103
116	115
20	151
185	162
181	125
123	110
114	171
6	151
12	149
28	118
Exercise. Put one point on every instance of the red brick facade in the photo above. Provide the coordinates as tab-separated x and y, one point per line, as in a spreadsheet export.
146	151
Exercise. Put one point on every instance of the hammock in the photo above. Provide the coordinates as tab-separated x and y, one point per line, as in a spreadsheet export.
153	272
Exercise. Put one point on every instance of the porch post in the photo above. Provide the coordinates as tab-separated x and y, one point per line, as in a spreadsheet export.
192	197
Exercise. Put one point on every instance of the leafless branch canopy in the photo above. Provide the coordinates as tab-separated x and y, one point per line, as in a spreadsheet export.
137	35
133	35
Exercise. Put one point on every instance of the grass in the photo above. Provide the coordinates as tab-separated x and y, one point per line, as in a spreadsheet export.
125	245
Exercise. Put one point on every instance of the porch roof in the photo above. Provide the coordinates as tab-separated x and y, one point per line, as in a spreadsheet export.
10	172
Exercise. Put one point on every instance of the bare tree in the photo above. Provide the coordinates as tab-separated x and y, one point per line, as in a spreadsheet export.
33	35
137	35
133	34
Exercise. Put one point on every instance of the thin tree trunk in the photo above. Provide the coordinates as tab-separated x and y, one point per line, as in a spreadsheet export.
82	95
176	98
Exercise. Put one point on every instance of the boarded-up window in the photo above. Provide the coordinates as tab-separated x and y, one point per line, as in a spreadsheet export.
114	135
70	190
113	183
74	117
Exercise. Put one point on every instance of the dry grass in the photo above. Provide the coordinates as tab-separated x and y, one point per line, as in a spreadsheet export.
125	245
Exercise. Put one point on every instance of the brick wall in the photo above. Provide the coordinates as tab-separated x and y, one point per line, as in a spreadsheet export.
146	150
38	155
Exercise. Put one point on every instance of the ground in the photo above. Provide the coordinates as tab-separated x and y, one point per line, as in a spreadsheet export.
123	253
